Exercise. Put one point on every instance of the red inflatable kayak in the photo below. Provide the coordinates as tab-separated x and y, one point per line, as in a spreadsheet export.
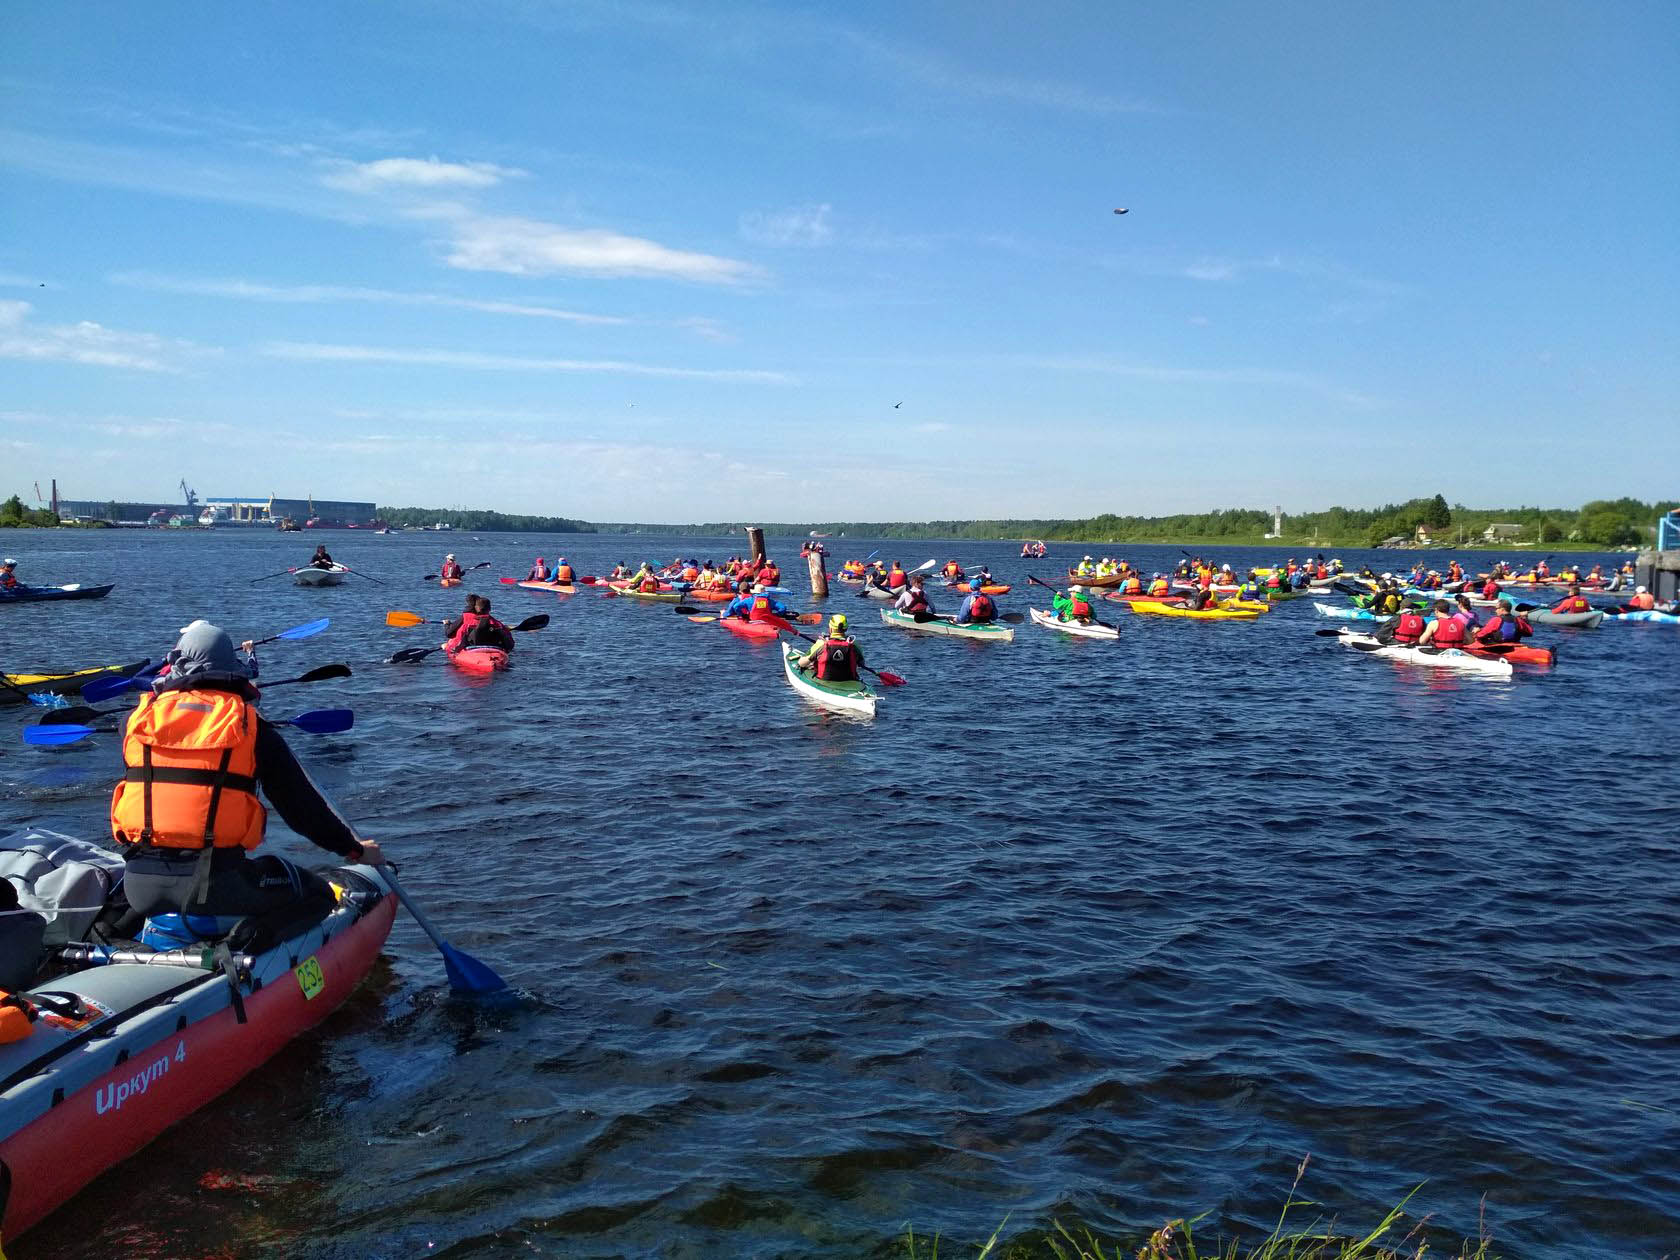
156	1036
479	660
748	629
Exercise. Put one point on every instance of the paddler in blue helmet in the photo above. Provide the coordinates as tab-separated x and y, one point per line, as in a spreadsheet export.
978	609
834	656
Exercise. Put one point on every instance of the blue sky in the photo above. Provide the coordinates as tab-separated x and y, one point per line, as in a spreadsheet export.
660	261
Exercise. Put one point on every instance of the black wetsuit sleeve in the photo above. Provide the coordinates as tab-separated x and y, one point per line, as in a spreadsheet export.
296	798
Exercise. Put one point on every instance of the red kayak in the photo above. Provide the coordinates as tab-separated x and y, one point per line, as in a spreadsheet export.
748	629
479	660
1516	653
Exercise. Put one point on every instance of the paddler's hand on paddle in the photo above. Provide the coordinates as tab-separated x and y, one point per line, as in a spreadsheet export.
371	856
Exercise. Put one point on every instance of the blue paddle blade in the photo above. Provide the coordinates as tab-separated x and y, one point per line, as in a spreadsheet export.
323	721
104	689
468	975
304	632
52	736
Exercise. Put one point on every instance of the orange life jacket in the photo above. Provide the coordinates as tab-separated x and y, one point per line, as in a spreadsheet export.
191	781
563	573
690	573
1645	603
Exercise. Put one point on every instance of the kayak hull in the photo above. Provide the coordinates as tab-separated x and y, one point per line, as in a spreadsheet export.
41	594
321	577
991	631
77	1098
853	698
451	582
1196	614
67	683
992	588
1580	621
1648	614
559	588
1078	630
1348	614
479	660
760	630
1443	658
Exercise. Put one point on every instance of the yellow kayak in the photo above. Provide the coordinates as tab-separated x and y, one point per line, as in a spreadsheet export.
1198	614
67	683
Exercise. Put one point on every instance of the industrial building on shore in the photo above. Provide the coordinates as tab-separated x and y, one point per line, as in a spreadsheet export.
249	511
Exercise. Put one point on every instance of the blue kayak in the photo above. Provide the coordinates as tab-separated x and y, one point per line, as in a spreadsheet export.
35	594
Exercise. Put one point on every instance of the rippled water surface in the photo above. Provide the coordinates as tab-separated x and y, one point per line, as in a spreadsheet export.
1072	930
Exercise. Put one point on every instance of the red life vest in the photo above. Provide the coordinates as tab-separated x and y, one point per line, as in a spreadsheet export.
1574	604
1081	607
466	636
981	608
760	610
1491	590
896	579
838	660
1449	631
1409	629
451	570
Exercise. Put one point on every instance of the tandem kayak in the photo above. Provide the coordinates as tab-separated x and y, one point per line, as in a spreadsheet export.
1580	620
36	594
1197	614
1080	629
141	1039
479	660
321	577
748	629
842	697
559	588
64	683
943	625
1439	658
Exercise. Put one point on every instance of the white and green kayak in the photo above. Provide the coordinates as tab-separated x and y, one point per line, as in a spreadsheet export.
944	625
1083	629
842	697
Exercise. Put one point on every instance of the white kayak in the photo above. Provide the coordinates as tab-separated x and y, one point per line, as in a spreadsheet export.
1439	658
321	577
1084	630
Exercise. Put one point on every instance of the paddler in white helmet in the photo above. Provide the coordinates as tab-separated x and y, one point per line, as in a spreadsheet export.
450	571
1073	606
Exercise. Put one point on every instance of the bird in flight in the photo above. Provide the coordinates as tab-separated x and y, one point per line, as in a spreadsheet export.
897	405
1121	210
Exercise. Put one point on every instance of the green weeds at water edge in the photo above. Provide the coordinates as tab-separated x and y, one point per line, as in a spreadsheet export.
1175	1241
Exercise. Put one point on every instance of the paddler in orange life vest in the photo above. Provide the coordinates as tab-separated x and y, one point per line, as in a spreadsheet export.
451	571
186	814
952	572
477	628
1131	584
1445	628
1158	585
8	574
1642	601
1574	602
563	572
897	578
834	657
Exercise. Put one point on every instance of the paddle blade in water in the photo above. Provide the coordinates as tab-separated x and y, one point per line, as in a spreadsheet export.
405	655
52	736
324	721
533	623
468	975
304	632
103	689
891	679
323	672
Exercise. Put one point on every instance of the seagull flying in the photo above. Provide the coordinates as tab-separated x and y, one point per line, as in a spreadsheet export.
1121	210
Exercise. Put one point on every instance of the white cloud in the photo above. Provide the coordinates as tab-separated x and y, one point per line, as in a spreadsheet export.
803	226
316	352
1211	271
311	293
87	343
404	173
529	247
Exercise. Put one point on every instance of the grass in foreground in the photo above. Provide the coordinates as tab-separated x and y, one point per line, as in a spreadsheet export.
1176	1241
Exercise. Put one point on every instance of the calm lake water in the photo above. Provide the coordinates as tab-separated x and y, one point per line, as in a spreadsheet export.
1081	931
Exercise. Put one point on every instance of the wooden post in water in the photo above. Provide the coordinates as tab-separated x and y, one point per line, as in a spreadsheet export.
819	575
755	546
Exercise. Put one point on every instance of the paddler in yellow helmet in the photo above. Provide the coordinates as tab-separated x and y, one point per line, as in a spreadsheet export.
834	657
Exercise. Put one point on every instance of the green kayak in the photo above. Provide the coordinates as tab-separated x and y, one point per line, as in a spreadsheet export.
842	697
943	625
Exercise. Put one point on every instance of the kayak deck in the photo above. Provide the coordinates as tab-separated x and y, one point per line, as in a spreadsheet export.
1079	629
841	697
63	683
989	630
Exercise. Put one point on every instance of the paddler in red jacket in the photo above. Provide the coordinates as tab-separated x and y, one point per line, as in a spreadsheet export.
479	629
1574	602
897	578
1504	626
913	600
1445	629
451	571
834	656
